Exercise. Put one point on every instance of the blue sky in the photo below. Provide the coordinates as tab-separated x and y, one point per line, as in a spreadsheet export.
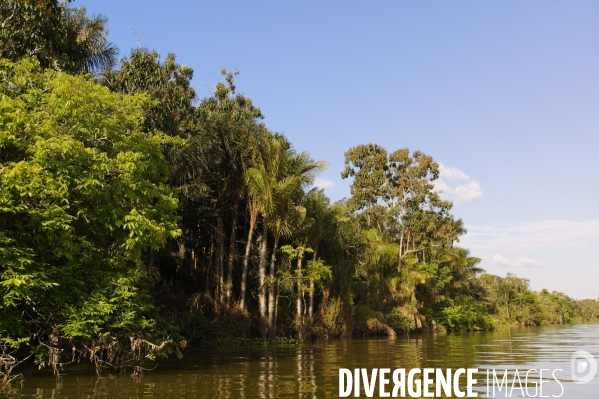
504	94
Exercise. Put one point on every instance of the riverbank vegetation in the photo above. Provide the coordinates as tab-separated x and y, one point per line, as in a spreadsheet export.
136	219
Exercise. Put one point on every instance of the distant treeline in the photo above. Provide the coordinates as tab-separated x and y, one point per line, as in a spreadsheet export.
136	219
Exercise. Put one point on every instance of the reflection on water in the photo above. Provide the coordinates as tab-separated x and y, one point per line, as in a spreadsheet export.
311	370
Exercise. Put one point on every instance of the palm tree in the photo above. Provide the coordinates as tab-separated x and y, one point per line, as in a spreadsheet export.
253	213
261	182
276	182
253	208
323	219
86	42
260	191
287	219
228	121
210	171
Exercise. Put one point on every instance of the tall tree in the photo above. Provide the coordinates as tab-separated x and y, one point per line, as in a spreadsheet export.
59	36
86	43
32	28
278	178
296	173
229	123
261	187
167	83
323	220
394	195
286	220
84	194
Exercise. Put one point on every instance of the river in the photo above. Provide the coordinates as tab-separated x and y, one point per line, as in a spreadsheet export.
311	370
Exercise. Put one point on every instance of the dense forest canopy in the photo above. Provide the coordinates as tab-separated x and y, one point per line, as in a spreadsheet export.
136	219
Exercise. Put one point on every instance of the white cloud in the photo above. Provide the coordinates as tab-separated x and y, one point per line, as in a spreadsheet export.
502	243
523	261
468	191
545	234
323	183
451	173
565	253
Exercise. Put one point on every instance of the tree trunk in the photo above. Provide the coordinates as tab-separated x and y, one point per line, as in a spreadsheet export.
232	254
220	239
324	301
274	326
271	292
246	259
417	321
299	289
299	319
210	267
311	306
151	259
261	277
401	245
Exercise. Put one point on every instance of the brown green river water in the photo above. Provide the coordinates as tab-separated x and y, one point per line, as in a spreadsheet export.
311	370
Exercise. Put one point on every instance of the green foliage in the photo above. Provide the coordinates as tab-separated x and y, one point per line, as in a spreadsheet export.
83	194
168	85
586	310
464	314
318	273
337	319
59	36
399	319
31	28
510	301
368	321
406	232
86	44
314	275
394	193
230	331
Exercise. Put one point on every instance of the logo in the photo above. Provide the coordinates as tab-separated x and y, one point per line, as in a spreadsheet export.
584	367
